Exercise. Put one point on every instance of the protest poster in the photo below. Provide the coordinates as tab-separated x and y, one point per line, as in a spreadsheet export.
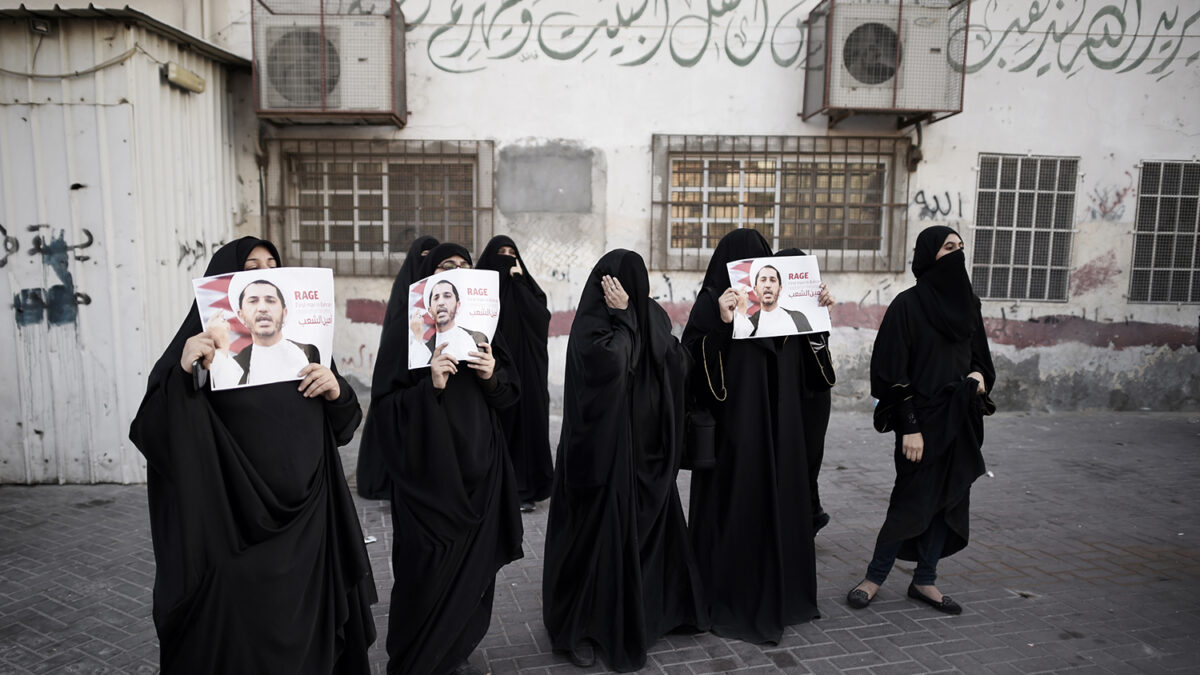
777	296
267	324
459	308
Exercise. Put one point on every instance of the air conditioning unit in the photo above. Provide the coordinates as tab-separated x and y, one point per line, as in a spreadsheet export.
314	63
885	56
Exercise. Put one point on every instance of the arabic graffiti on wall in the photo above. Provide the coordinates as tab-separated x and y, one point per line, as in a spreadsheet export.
1108	202
58	304
937	206
629	33
1070	35
1121	37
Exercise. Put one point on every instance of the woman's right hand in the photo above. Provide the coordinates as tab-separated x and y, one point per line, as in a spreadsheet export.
913	446
197	348
728	303
442	366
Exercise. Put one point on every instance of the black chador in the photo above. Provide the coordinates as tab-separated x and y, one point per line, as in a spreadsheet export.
751	515
931	337
260	563
619	572
370	473
525	325
455	517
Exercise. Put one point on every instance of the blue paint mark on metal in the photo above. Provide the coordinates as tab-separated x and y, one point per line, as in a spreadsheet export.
59	304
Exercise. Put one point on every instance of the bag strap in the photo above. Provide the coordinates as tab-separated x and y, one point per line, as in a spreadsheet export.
707	376
817	358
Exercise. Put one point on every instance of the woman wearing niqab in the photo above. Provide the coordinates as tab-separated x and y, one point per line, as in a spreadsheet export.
260	562
455	519
525	325
619	572
370	473
750	516
931	370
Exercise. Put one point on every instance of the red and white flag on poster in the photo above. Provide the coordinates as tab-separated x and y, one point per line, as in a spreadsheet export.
213	296
416	301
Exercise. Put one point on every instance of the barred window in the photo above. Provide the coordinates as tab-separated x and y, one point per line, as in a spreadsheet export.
357	206
1024	222
836	197
1166	248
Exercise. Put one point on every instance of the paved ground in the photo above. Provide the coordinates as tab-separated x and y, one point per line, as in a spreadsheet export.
1084	557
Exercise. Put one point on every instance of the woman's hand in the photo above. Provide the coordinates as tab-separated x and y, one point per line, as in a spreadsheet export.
317	380
199	347
825	299
614	295
442	366
913	446
728	304
484	364
975	375
416	323
516	268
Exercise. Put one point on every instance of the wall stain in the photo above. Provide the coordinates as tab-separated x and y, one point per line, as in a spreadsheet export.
1094	274
58	304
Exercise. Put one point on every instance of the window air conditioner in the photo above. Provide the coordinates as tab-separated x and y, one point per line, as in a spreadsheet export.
312	64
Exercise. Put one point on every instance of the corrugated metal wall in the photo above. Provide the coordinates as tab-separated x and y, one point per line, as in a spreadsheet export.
114	188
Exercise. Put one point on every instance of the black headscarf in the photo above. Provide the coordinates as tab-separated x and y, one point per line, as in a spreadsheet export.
491	259
437	255
228	259
739	244
943	287
525	324
370	472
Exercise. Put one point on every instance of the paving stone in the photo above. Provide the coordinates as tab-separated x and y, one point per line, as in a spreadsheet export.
1076	564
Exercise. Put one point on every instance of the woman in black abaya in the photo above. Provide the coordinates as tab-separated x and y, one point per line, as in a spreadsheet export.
619	572
525	325
370	473
750	516
455	517
931	370
249	506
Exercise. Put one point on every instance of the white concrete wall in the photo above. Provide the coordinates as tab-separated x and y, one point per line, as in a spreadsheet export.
1041	80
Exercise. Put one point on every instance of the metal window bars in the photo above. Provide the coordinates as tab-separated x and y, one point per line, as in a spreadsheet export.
840	198
1166	236
357	205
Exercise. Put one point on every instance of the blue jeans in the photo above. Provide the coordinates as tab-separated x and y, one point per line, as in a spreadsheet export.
929	551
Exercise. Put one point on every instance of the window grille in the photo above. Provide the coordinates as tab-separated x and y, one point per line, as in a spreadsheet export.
357	206
1024	222
1166	248
836	197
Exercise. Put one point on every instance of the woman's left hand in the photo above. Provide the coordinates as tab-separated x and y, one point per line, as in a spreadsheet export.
319	381
981	389
484	364
825	299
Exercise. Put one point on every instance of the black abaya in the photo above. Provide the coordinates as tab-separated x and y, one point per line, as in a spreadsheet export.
751	515
249	507
919	368
525	325
455	518
370	473
619	571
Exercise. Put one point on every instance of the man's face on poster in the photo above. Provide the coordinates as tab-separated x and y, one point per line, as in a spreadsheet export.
263	312
767	287
443	304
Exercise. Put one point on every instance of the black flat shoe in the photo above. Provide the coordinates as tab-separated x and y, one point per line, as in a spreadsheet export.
527	507
583	655
947	605
858	598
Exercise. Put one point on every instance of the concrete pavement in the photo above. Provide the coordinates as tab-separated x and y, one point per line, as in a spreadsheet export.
1084	557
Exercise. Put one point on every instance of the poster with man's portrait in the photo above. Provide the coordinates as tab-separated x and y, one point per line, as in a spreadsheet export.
777	296
267	324
459	308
